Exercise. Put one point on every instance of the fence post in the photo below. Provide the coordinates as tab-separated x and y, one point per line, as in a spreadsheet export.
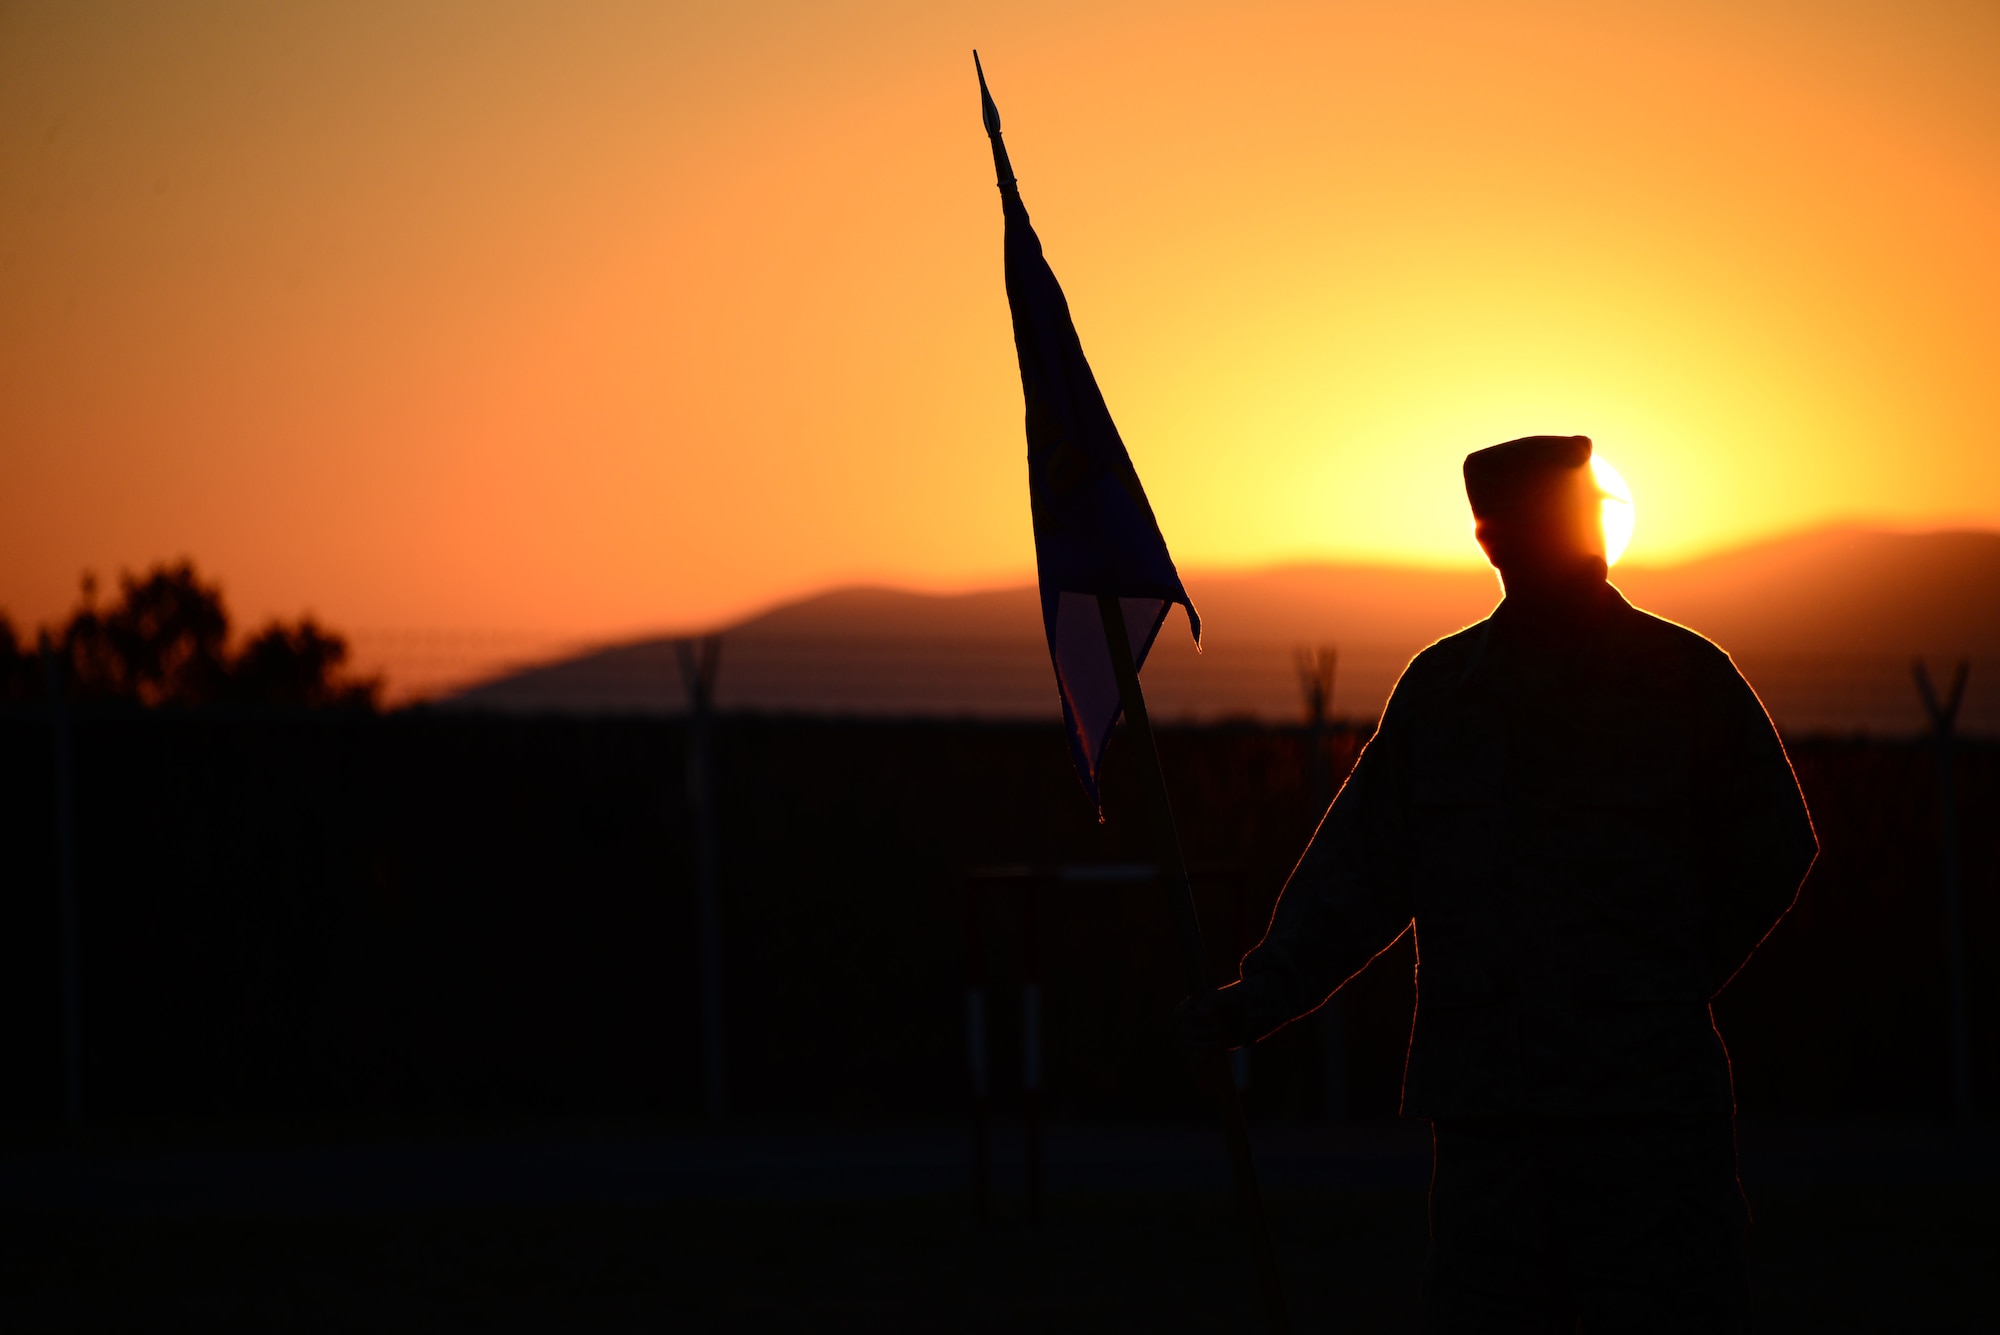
1031	1037
1316	670
1943	715
975	1047
68	929
699	661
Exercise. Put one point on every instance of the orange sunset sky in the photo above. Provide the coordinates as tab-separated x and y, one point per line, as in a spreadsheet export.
594	318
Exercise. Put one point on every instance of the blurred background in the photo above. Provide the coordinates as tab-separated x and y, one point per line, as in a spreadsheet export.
533	783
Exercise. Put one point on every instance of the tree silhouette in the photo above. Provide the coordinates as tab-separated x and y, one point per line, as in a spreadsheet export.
165	642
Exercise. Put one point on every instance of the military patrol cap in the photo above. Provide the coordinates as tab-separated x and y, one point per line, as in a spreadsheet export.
1501	478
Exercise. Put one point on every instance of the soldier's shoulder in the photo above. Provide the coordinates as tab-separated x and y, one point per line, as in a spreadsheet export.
1670	647
1442	665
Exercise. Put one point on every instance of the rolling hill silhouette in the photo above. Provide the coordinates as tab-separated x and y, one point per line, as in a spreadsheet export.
1823	623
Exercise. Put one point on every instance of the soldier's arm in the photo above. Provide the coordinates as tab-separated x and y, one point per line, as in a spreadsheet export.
1758	835
1346	901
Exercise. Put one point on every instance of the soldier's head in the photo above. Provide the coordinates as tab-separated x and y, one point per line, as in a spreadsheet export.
1536	511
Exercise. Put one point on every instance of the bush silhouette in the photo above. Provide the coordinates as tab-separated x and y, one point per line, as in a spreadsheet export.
19	676
297	665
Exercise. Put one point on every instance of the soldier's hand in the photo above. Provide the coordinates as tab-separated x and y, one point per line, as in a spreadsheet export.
1207	1022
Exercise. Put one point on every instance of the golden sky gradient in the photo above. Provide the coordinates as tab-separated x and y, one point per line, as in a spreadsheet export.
594	318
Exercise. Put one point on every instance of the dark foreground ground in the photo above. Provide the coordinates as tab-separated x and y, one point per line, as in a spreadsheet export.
1855	1231
1854	1260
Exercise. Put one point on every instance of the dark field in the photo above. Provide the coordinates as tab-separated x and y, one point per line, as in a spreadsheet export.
422	924
417	916
1825	1260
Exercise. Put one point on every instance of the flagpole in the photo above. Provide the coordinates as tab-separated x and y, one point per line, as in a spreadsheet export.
1194	958
1075	460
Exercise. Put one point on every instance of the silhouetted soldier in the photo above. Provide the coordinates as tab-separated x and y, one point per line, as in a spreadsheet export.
1589	819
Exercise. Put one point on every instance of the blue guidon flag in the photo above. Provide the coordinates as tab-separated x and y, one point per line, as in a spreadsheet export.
1094	530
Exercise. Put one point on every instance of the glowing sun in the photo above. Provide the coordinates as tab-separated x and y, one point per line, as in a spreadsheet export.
1614	510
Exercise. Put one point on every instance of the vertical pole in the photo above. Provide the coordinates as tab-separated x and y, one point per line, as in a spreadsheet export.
1316	669
975	1047
1943	715
1031	1038
1961	1065
1194	959
68	931
1240	1059
699	661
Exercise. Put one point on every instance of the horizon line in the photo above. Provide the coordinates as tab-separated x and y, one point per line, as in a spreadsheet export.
751	611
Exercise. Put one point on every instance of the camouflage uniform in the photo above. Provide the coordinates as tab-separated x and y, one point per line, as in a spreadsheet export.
1590	835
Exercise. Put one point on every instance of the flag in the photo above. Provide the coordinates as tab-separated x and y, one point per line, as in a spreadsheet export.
1094	530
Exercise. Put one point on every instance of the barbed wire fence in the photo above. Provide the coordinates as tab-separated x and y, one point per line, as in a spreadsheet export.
1807	694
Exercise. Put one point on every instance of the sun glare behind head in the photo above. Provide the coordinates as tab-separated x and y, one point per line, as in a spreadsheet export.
1615	510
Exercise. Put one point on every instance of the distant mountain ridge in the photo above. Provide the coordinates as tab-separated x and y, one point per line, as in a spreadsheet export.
1841	591
1824	623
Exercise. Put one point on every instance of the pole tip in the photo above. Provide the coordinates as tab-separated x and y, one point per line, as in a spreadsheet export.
987	111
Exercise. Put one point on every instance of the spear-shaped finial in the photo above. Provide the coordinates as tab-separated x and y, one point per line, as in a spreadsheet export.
991	114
